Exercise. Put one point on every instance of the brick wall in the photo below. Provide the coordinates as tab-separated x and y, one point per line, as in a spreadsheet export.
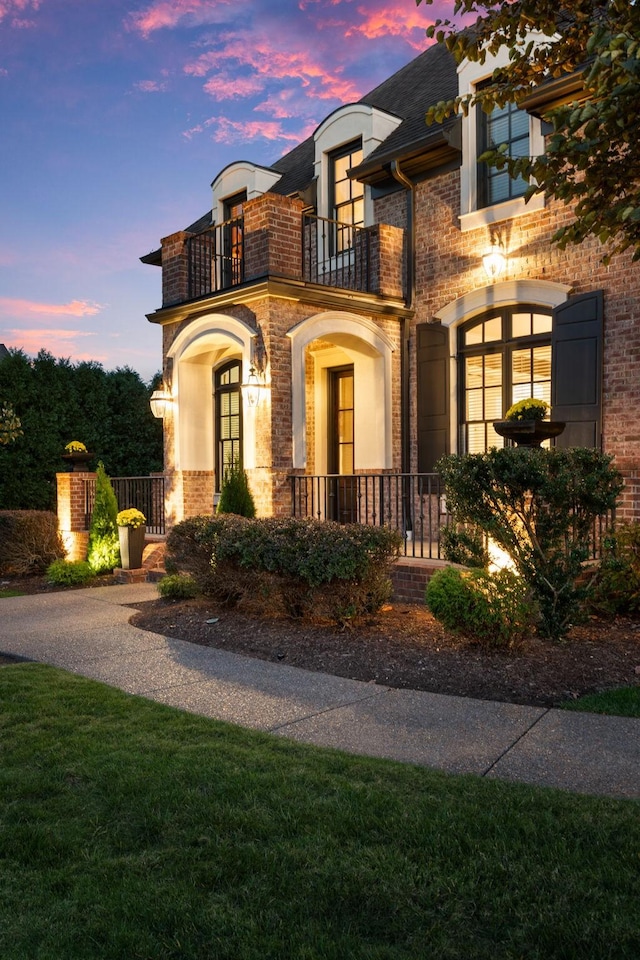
175	269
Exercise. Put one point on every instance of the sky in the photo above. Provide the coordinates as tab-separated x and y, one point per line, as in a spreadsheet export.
115	117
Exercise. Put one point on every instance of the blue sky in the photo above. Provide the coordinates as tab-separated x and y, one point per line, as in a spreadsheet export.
115	118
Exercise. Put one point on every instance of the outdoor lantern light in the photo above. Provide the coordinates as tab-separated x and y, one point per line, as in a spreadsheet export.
159	403
494	261
252	388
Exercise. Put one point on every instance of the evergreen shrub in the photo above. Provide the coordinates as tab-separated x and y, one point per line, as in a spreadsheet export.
70	573
103	551
29	541
235	493
292	567
616	586
177	586
493	609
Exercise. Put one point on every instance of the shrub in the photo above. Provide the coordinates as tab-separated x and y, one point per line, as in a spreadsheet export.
177	586
104	546
235	494
70	573
493	609
29	541
616	587
540	506
287	566
464	545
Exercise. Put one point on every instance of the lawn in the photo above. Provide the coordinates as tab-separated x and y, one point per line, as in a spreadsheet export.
131	830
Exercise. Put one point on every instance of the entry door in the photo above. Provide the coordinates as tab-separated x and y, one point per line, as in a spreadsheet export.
342	501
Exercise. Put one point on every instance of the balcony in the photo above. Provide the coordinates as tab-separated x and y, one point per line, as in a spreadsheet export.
274	238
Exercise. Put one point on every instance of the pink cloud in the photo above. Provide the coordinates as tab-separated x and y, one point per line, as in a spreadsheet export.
242	131
169	13
12	8
225	87
151	86
396	19
75	308
31	341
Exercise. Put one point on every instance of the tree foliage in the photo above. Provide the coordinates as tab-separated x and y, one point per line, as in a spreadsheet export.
103	551
10	426
592	157
56	402
540	506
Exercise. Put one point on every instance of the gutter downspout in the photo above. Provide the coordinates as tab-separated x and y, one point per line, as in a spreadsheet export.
405	425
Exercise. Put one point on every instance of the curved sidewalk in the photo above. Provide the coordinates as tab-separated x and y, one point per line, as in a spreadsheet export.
88	632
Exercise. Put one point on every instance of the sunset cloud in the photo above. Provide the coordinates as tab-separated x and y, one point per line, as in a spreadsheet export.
15	8
55	341
167	14
23	308
224	130
151	86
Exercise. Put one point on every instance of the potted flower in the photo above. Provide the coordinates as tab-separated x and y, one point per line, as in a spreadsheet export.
525	423
77	455
131	532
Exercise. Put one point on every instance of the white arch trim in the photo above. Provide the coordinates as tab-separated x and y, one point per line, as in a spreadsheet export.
352	332
191	387
544	293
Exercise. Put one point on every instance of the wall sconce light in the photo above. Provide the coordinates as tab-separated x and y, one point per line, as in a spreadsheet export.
159	403
253	388
495	260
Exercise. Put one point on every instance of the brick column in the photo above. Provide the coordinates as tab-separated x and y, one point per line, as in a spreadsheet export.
71	513
175	269
272	237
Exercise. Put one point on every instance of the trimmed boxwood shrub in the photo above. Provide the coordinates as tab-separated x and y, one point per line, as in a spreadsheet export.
493	609
177	586
616	585
70	573
287	566
29	541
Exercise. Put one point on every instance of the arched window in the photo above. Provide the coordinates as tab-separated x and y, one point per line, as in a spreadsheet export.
504	356
228	418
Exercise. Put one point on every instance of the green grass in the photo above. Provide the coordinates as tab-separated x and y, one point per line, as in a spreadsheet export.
9	592
132	830
621	702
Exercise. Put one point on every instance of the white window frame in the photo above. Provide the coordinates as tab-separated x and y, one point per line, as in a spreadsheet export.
470	76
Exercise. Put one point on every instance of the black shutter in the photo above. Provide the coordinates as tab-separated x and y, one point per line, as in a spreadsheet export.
432	354
576	370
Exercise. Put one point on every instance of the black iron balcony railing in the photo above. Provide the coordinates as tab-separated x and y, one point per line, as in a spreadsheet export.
216	258
336	254
412	503
144	493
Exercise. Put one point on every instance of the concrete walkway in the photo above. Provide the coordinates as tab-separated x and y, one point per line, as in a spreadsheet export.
87	632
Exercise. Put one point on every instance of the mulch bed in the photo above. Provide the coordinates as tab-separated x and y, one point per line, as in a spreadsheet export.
403	646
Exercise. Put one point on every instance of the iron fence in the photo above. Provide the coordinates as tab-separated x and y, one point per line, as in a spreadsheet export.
144	493
336	254
412	503
216	258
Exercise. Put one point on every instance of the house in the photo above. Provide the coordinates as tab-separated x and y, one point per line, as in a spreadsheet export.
376	298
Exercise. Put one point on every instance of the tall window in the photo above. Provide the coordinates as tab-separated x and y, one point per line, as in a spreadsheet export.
507	125
233	240
346	196
505	356
228	418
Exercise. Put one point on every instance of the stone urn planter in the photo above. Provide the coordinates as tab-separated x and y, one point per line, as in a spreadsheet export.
528	433
131	533
78	460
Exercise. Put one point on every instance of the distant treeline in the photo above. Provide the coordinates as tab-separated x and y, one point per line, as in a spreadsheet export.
58	401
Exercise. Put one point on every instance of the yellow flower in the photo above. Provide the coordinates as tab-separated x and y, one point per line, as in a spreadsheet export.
130	518
75	447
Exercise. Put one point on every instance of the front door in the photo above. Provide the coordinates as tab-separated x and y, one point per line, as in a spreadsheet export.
342	500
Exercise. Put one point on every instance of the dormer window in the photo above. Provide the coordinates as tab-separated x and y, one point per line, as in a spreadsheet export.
346	195
504	125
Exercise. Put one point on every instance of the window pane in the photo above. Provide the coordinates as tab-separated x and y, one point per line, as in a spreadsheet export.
542	323
521	325
493	329
476	435
345	458
519	123
521	391
473	372
473	336
493	439
345	426
493	403
341	165
498	128
342	191
474	405
499	185
542	363
493	370
521	366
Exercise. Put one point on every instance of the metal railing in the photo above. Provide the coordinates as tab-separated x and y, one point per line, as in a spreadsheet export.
412	503
336	254
144	493
216	258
